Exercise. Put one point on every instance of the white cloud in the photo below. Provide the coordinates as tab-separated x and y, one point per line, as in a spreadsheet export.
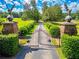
39	7
16	3
36	1
62	7
40	11
1	9
3	6
17	10
74	10
8	1
73	4
77	6
26	1
45	0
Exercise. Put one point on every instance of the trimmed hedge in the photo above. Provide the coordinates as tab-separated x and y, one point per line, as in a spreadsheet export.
55	31
70	46
48	25
9	44
1	20
24	30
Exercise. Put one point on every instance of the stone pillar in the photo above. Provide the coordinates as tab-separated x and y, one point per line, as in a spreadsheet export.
68	28
10	27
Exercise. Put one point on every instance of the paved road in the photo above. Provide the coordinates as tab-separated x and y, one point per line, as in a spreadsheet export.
40	40
40	47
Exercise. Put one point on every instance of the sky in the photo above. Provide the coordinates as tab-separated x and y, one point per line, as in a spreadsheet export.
72	4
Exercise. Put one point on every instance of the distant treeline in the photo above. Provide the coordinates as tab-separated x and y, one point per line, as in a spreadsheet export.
15	14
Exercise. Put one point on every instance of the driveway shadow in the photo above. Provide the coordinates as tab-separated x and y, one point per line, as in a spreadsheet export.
21	55
25	50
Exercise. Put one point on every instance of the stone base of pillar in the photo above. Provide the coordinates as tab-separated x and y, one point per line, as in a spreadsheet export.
10	27
68	28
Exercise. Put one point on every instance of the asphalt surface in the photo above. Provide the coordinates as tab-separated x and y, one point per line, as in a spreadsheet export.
38	48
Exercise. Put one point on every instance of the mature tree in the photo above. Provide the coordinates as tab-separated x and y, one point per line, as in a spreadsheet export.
35	12
16	15
53	13
27	15
33	3
36	15
31	13
3	14
44	6
77	15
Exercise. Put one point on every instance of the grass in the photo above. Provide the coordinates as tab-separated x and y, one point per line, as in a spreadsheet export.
19	21
58	50
1	28
34	27
46	28
22	23
23	41
60	53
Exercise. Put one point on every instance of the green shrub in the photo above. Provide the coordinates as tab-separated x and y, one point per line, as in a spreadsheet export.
48	25
9	44
24	30
70	46
55	31
1	20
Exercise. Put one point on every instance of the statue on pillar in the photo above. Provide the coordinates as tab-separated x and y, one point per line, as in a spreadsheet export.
68	17
10	16
10	27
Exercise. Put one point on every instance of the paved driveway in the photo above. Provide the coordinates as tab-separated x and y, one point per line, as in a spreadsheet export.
40	47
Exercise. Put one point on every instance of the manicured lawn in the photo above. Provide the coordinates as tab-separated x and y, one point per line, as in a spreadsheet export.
22	23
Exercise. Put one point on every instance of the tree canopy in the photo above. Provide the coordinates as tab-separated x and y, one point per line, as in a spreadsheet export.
53	13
